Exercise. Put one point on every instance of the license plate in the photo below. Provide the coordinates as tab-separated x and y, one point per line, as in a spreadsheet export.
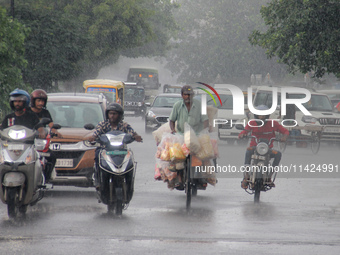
15	147
64	163
116	152
331	130
129	112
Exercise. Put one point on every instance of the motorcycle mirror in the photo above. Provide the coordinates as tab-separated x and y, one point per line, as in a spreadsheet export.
45	121
239	126
89	126
56	126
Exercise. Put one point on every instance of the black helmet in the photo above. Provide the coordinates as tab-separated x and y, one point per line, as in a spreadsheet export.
38	94
115	107
19	94
261	107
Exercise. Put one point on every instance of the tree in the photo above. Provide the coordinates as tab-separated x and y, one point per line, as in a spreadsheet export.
54	46
12	36
303	34
214	42
121	27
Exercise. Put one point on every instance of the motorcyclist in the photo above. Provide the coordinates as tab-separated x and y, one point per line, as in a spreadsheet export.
38	106
262	128
114	114
19	102
188	110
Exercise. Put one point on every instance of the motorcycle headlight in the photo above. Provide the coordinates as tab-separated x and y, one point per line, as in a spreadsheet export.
309	119
17	134
40	144
151	114
262	148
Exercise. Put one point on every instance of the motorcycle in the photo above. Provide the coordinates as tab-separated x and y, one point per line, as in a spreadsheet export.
21	175
260	171
115	170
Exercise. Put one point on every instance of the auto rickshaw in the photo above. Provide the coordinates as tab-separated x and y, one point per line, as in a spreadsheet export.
113	90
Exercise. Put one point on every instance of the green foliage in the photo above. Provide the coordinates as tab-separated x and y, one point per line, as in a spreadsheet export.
54	46
214	41
12	36
303	34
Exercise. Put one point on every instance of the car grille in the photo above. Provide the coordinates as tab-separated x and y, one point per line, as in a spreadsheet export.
227	125
162	119
329	121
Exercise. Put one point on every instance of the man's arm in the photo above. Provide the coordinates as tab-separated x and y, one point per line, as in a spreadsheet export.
172	126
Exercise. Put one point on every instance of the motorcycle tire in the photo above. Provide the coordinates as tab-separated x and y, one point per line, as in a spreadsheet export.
119	202
188	184
119	207
23	209
12	208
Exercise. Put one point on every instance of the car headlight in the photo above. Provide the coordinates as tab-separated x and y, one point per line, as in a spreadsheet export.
309	119
151	114
262	148
88	144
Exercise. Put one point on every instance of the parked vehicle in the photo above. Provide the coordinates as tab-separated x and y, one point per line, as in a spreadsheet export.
144	76
116	170
113	90
75	155
160	110
22	179
134	100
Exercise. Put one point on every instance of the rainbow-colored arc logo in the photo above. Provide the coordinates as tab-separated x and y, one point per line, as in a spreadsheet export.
208	92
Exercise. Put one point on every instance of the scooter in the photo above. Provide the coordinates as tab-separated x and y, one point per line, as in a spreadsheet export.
22	182
115	171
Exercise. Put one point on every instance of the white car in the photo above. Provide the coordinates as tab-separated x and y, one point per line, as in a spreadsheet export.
320	106
225	119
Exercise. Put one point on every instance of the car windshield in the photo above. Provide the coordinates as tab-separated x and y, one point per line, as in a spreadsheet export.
173	90
162	101
74	114
133	94
316	103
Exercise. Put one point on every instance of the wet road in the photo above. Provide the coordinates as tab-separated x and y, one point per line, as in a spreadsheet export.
300	216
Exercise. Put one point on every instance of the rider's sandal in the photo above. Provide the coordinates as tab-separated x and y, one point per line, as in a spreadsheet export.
179	186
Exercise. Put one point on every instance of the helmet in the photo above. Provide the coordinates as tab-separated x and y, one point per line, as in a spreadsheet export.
261	107
115	107
19	94
38	94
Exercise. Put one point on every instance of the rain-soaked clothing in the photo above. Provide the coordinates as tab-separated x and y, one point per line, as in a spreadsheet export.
194	117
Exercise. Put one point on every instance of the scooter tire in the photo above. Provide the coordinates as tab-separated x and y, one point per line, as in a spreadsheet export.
119	207
12	208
